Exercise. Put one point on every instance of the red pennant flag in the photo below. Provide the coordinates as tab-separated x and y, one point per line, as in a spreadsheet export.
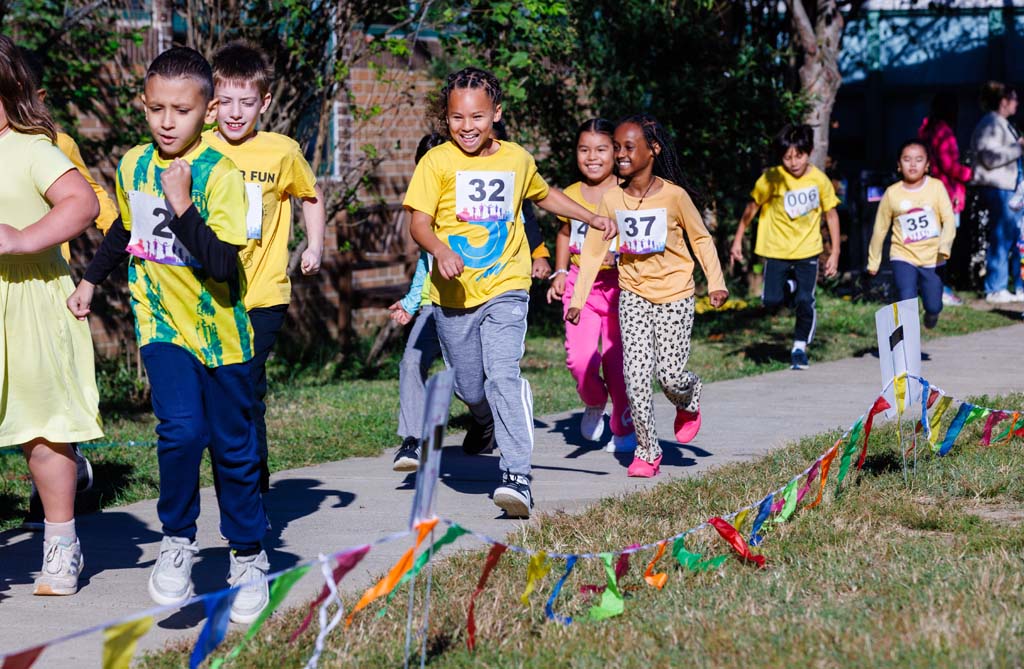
879	406
346	563
23	660
994	419
492	560
734	539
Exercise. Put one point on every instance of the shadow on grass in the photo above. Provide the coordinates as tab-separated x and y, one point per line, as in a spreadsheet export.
882	463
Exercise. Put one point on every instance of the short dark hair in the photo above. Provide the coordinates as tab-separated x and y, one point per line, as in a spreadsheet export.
427	142
242	62
181	61
914	141
793	136
993	93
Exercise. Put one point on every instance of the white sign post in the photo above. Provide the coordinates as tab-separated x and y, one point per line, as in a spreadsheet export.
899	350
439	390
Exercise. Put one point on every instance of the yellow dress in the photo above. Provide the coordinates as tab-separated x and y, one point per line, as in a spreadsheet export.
46	356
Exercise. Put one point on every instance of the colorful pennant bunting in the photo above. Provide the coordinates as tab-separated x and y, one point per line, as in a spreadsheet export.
218	615
497	550
653	579
612	603
733	538
119	642
535	571
346	562
549	608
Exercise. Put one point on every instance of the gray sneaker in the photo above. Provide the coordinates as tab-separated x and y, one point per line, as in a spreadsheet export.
171	579
249	572
62	563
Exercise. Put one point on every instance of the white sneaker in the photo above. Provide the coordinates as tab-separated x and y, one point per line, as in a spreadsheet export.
999	297
626	444
62	563
171	579
250	573
1018	296
592	423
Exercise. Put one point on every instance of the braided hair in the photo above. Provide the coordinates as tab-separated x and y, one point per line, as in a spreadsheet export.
469	77
666	161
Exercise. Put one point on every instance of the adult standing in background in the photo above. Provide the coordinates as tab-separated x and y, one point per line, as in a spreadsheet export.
997	147
938	131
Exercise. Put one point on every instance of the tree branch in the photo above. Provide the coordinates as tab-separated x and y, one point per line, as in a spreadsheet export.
803	27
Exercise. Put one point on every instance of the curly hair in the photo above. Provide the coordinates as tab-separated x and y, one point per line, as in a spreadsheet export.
469	77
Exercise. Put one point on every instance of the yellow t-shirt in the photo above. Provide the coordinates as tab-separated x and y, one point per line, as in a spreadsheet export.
654	261
475	202
180	304
922	223
789	227
578	229
274	171
108	210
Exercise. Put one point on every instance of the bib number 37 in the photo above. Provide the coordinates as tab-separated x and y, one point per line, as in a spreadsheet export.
152	238
642	231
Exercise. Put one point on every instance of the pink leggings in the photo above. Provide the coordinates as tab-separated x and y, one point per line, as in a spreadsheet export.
599	320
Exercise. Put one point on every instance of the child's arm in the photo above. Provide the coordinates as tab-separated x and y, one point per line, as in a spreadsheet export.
704	248
832	221
560	204
109	255
538	252
883	221
736	252
410	304
74	208
948	220
448	262
557	288
314	215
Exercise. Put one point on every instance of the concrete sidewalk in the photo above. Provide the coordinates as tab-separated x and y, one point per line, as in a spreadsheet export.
333	506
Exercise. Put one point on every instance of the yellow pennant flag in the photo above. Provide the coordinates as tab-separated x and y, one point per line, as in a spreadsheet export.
901	393
119	642
933	424
537	569
741	517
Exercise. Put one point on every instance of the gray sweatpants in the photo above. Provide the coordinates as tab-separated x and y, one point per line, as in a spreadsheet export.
421	350
483	346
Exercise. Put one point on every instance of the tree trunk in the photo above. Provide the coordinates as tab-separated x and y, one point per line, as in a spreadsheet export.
819	75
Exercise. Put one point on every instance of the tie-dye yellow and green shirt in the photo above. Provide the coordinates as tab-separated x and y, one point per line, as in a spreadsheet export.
180	304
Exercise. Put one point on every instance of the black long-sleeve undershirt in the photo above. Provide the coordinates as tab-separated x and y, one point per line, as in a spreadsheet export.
110	254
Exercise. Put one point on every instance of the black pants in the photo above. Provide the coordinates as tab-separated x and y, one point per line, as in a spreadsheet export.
805	275
266	324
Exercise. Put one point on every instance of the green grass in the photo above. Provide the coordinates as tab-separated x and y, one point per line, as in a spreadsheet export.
314	417
884	574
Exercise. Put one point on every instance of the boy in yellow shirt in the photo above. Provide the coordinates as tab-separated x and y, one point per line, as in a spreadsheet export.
792	197
274	171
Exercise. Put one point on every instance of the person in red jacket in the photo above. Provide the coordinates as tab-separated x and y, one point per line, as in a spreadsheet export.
937	131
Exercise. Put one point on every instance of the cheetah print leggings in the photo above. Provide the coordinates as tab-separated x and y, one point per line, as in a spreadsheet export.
656	337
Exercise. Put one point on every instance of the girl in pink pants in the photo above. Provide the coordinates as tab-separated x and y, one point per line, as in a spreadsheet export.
593	347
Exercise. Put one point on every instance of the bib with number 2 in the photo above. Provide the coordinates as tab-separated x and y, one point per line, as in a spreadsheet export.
254	214
152	238
801	201
918	225
577	233
642	231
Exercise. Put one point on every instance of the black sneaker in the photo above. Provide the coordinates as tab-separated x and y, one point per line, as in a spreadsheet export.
799	360
513	495
931	320
407	459
34	519
479	438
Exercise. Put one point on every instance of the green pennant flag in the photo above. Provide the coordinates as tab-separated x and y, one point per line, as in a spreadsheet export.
976	413
612	603
278	590
851	447
453	533
694	561
789	505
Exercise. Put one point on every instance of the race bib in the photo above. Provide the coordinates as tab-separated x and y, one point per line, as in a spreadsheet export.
484	195
643	231
152	238
800	202
254	214
577	233
918	225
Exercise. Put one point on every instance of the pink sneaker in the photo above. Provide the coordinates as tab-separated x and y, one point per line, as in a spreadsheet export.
687	425
643	469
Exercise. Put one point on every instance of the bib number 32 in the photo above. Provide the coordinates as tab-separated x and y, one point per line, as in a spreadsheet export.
484	201
152	238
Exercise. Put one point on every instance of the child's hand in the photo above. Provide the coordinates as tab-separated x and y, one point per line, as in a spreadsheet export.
398	314
311	260
177	184
611	229
573	316
10	240
80	301
735	255
718	297
449	263
557	288
541	268
832	265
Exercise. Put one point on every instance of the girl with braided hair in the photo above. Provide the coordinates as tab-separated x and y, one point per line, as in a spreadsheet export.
655	216
465	198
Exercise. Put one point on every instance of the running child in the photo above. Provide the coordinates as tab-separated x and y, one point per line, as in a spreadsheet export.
274	171
599	318
49	399
792	197
918	212
183	213
465	197
655	217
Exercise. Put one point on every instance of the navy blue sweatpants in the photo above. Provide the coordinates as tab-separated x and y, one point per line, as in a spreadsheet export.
198	406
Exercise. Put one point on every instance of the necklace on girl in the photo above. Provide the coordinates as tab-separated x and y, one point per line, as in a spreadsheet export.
626	204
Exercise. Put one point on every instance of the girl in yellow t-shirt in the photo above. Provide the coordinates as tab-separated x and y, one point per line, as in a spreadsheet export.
655	217
50	397
918	211
466	197
597	370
